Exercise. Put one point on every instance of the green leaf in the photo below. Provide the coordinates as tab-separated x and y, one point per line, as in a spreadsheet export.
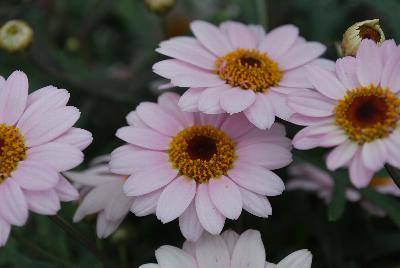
338	203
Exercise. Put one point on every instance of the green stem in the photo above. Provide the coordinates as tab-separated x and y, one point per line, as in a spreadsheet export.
394	174
262	10
36	250
71	231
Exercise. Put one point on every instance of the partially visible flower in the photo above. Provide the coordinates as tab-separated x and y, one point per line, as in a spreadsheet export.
367	29
101	193
228	250
198	168
15	35
356	108
311	178
238	68
159	7
37	142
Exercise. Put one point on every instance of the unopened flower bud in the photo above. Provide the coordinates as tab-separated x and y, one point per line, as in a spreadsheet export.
159	7
368	29
15	35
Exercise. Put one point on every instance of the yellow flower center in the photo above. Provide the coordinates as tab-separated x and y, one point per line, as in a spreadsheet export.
368	113
201	153
380	181
248	69
12	150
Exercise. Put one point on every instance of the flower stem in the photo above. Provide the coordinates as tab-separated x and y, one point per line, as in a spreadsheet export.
394	173
71	231
262	9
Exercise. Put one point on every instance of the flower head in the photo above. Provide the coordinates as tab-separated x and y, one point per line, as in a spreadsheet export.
356	108
227	250
37	142
200	168
101	193
237	68
15	35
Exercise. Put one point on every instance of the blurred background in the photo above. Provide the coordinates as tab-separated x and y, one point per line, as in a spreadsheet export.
102	52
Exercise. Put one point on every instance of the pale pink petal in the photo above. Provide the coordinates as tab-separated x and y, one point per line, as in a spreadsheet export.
390	78
258	31
59	156
295	78
189	224
326	64
236	125
189	100
175	198
360	175
13	206
13	97
325	82
374	154
239	35
255	204
215	120
261	112
93	177
134	120
230	237
333	138
209	100
2	81
172	257
144	137
189	247
303	140
300	54
276	140
249	251
211	251
118	206
368	63
277	42
172	68
210	218
104	227
211	37
34	175
281	107
298	259
65	191
237	100
393	148
341	155
387	49
149	180
48	97
257	179
43	202
226	197
270	156
146	204
311	103
5	229
303	120
197	79
169	101
346	72
158	118
77	137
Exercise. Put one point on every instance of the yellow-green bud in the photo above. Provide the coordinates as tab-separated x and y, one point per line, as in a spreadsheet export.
368	29
159	7
15	35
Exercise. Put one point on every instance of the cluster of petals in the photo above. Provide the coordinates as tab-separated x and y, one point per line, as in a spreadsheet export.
193	65
228	250
52	144
374	66
313	179
160	188
101	192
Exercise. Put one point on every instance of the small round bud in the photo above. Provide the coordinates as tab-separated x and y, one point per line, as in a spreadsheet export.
120	235
72	44
159	7
368	29
15	35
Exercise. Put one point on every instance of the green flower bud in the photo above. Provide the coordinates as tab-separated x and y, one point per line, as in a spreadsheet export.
159	7
15	36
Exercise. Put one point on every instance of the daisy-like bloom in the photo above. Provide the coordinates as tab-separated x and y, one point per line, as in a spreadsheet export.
228	250
237	68
101	193
356	108
37	142
200	168
311	178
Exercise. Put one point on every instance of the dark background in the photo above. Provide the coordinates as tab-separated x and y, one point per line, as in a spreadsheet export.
102	52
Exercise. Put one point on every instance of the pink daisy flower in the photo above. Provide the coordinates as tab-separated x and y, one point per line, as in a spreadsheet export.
237	68
229	250
356	108
311	178
37	142
101	193
198	168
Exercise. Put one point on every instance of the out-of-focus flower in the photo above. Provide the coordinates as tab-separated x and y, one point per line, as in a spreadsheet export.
15	35
311	178
37	142
229	250
237	68
200	168
159	7
356	108
368	29
101	193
